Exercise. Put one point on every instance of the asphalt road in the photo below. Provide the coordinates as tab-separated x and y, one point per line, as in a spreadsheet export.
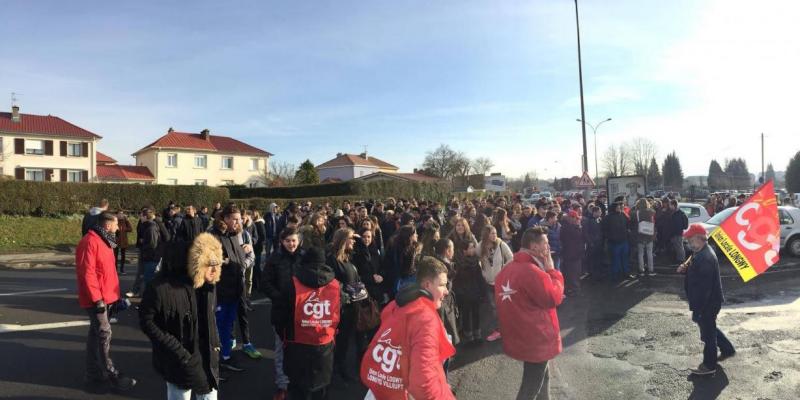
632	340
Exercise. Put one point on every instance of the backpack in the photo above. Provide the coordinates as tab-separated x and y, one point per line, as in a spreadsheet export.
645	227
316	313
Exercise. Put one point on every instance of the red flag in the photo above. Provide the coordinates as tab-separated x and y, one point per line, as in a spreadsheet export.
751	236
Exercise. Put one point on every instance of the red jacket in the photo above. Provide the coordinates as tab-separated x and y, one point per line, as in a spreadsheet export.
526	299
96	268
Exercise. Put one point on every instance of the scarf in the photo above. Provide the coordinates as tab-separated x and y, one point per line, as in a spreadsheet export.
107	236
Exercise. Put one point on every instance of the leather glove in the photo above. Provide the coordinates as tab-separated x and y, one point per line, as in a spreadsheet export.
99	307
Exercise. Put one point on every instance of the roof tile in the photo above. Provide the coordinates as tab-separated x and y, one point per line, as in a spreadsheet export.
124	172
46	125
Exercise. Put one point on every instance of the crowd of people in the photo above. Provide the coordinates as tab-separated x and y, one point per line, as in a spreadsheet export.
366	278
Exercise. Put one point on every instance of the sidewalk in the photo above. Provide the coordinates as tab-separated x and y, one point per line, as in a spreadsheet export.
50	259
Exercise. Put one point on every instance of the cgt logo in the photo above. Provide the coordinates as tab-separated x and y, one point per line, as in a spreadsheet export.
386	354
316	308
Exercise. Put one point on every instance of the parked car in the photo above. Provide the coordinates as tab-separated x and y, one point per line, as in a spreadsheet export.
547	195
695	212
789	218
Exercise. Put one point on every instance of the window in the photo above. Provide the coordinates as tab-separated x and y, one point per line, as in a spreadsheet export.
227	162
73	176
34	175
172	160
227	183
34	147
253	164
200	182
691	212
785	217
74	149
172	181
200	161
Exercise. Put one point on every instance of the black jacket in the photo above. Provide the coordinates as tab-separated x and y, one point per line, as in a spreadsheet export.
185	351
367	260
703	284
261	236
189	229
149	241
307	366
231	283
678	222
615	227
449	312
277	284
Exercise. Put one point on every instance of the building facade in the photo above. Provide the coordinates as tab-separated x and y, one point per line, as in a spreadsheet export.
351	166
46	148
180	158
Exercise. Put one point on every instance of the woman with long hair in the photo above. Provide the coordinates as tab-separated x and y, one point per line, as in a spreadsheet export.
503	226
377	234
313	233
493	254
468	283
400	260
481	221
430	235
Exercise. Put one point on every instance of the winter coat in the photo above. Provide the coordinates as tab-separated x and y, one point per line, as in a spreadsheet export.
367	260
526	299
262	236
312	237
122	233
96	269
593	232
449	312
572	245
271	226
90	219
309	366
646	215
678	222
149	242
231	284
553	236
179	317
492	263
468	282
615	227
276	283
346	273
189	229
702	284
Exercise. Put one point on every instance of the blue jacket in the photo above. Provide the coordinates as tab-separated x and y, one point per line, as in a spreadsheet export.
703	284
553	236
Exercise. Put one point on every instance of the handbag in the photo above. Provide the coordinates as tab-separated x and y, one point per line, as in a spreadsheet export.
368	317
645	227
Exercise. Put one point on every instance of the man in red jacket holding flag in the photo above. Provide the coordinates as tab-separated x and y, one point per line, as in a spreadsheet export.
527	292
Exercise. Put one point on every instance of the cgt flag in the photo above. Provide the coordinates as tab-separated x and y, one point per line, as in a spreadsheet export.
751	237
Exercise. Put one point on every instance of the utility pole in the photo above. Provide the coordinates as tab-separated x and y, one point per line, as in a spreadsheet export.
580	81
763	176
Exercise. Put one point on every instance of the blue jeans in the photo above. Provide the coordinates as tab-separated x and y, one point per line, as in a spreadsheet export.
281	380
712	337
177	393
148	272
620	252
226	315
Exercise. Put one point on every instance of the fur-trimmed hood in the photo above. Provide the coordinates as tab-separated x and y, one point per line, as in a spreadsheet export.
206	250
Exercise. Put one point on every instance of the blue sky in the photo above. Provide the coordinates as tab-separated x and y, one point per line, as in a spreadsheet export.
494	79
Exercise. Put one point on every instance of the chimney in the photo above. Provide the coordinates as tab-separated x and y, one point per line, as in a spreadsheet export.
364	155
338	154
205	134
170	130
15	113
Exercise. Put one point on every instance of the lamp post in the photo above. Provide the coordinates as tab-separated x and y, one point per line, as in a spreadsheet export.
580	81
594	129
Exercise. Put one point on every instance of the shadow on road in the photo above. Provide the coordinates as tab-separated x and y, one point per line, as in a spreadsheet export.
708	387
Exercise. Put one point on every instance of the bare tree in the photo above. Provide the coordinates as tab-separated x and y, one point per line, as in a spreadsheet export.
461	165
279	173
482	165
641	151
447	163
617	160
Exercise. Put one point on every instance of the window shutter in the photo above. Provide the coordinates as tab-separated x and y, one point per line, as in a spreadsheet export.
84	150
49	172
19	173
84	175
48	147
63	146
19	147
63	174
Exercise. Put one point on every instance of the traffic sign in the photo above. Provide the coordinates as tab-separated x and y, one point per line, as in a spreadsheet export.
586	181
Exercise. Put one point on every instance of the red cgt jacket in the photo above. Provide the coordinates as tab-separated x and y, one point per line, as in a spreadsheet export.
526	299
96	268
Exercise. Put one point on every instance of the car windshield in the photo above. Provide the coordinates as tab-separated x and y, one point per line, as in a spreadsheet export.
721	216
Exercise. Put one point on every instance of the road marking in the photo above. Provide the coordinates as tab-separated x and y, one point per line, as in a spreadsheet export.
9	328
34	292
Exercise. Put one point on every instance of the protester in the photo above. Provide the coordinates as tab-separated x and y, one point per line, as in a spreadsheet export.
313	233
367	260
191	226
678	222
91	216
529	290
551	221
494	254
258	248
703	288
98	289
468	284
573	250
405	359
150	246
593	236
185	350
401	257
246	242
122	240
643	223
271	226
615	230
315	310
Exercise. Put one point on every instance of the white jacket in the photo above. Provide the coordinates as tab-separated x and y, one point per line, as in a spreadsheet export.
500	256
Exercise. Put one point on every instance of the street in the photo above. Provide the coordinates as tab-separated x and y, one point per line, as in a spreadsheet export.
633	340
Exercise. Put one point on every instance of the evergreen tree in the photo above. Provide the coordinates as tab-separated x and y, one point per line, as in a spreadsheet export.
738	174
306	174
770	174
716	177
526	183
673	174
654	178
793	174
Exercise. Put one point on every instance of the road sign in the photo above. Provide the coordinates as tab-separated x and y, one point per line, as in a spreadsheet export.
586	181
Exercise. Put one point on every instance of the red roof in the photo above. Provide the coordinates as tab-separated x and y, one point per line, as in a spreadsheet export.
407	176
124	173
46	125
104	159
344	160
195	141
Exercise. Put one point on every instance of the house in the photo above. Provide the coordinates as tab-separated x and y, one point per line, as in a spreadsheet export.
108	171
46	148
180	158
350	166
399	177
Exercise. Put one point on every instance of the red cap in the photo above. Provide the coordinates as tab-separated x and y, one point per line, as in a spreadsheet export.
574	214
695	229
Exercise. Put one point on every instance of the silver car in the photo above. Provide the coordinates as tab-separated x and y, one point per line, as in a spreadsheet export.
789	218
694	212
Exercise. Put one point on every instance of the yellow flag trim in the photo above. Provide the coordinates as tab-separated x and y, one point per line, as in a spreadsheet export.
739	260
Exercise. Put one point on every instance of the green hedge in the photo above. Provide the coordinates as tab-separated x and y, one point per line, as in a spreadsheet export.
59	198
353	188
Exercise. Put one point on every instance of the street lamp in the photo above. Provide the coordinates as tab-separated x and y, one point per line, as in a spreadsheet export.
594	129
